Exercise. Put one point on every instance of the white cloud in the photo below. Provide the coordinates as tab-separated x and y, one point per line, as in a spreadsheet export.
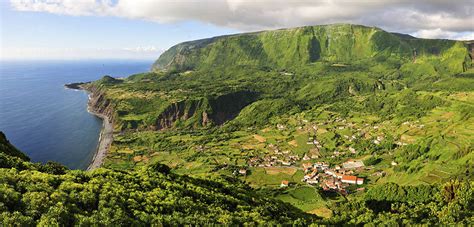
67	7
439	33
430	18
142	49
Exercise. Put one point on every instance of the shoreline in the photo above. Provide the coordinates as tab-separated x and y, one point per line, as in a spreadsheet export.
105	138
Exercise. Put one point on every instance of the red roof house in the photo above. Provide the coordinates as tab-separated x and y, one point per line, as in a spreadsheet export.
349	179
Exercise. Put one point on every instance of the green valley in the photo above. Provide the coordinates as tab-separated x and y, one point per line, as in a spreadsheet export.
332	124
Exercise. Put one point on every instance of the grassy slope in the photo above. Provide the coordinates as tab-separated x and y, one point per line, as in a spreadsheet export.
291	48
352	81
304	76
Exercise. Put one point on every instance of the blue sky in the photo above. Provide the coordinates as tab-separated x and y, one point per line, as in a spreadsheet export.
142	29
40	35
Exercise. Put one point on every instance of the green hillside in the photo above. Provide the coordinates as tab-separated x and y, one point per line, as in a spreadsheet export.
258	114
296	47
8	149
215	95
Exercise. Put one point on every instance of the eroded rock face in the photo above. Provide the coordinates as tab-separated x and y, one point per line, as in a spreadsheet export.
470	46
227	107
98	102
205	111
182	110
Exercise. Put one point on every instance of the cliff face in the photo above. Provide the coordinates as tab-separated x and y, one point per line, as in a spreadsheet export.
301	46
99	103
183	111
190	113
470	47
205	111
228	106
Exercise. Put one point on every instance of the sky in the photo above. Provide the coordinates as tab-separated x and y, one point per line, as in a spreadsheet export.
143	29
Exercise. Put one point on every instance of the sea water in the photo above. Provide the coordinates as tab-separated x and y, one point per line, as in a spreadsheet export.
48	121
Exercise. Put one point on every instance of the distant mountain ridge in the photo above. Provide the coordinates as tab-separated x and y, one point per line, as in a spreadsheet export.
293	47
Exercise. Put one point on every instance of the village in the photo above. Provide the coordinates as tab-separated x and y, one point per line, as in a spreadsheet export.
279	157
336	171
331	166
336	179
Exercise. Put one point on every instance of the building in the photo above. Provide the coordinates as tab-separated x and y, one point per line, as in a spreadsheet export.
353	164
286	163
330	172
284	183
243	171
307	165
352	180
331	185
306	157
349	179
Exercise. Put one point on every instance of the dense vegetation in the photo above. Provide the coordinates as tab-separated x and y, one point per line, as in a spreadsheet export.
141	197
297	47
213	107
152	195
391	204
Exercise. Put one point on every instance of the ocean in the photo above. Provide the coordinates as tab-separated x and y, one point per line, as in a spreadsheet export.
47	121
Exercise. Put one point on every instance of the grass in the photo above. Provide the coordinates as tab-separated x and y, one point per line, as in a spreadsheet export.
278	170
306	198
443	123
342	87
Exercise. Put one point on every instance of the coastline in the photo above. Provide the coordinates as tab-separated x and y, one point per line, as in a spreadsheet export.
105	139
106	132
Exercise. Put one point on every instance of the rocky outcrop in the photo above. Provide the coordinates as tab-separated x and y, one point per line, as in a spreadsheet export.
228	106
183	111
470	47
98	102
205	111
75	86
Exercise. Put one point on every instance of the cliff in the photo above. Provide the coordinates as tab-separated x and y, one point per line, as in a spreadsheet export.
300	46
191	112
470	47
99	103
205	111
